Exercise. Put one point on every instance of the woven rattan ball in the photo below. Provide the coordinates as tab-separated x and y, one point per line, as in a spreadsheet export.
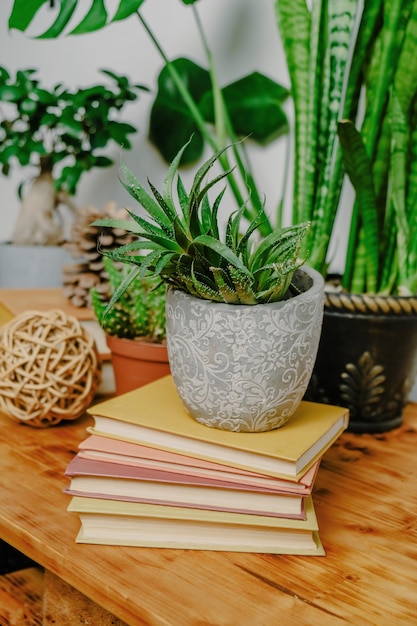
49	368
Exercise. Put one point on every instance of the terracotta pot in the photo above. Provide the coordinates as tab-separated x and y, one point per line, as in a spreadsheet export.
240	367
136	363
367	358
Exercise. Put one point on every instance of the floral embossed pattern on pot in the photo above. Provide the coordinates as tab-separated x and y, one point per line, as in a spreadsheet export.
244	368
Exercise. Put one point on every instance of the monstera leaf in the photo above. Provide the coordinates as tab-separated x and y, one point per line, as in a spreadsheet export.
253	105
24	12
171	122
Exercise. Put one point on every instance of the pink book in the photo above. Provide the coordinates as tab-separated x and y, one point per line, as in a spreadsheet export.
126	482
99	448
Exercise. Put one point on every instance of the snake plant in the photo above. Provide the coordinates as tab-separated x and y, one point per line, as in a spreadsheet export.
180	241
353	70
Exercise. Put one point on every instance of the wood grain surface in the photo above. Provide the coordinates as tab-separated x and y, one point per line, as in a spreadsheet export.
21	598
366	504
21	300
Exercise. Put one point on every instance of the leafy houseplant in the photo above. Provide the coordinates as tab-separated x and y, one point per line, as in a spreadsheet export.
62	133
134	327
354	84
225	289
189	100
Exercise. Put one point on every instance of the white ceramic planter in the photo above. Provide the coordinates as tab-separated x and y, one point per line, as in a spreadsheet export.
244	368
32	267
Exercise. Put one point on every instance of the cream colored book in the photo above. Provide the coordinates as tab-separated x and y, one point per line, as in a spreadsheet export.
154	416
155	486
121	523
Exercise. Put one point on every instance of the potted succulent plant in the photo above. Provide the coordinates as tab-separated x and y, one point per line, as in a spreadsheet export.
353	70
243	317
59	134
134	328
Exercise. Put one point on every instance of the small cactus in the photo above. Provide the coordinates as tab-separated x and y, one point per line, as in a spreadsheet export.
138	312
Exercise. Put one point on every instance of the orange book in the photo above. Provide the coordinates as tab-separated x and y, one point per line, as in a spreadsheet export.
111	450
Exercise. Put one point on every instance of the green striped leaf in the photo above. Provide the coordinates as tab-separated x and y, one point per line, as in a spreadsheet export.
294	24
359	169
398	164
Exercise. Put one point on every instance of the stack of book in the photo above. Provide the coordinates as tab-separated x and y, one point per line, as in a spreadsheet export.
150	475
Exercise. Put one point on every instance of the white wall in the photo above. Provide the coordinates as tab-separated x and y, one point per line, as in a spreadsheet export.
242	34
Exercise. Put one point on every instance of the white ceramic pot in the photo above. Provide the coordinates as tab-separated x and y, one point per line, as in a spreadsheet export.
32	267
241	367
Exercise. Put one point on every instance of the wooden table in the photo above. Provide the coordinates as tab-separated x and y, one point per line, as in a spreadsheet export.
366	502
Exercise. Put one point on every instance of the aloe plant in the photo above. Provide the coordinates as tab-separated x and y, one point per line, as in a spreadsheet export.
353	69
138	313
180	241
189	100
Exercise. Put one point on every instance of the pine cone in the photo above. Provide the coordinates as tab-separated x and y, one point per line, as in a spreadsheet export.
78	278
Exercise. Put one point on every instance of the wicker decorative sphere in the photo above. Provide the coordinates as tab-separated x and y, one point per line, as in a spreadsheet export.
49	368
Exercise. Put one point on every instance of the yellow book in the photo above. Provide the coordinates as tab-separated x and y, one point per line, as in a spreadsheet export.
111	522
5	314
154	416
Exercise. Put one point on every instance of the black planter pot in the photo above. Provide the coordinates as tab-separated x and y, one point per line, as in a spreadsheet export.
367	359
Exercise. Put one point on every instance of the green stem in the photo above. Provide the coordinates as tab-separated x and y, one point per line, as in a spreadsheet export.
225	132
221	120
179	83
219	109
